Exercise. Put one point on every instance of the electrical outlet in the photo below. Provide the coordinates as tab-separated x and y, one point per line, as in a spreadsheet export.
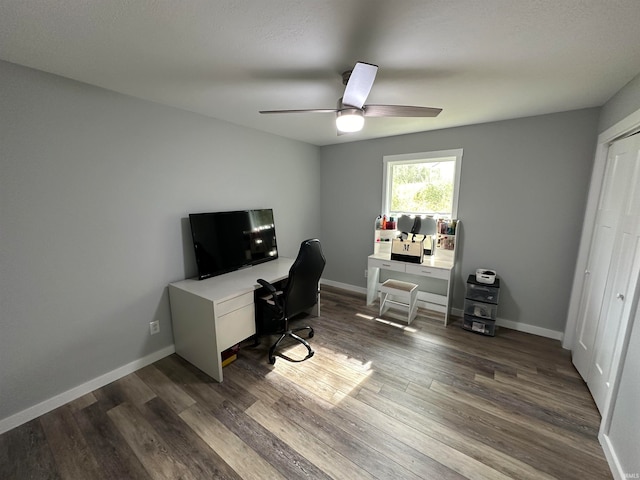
366	273
154	327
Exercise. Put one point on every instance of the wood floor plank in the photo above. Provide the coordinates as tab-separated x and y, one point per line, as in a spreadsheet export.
521	443
548	348
398	450
529	408
69	447
587	419
568	370
357	419
563	398
25	453
127	389
233	392
267	444
82	402
446	444
321	389
329	460
148	446
474	350
195	384
389	356
560	384
353	373
184	444
246	462
259	369
518	417
368	450
162	386
134	390
307	411
378	400
114	456
262	391
360	374
407	351
325	380
509	437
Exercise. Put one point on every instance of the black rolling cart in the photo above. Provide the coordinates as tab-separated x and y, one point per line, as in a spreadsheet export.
481	306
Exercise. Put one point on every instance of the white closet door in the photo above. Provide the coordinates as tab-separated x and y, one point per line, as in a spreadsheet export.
623	279
617	174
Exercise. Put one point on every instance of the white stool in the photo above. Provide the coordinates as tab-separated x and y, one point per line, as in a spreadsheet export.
406	294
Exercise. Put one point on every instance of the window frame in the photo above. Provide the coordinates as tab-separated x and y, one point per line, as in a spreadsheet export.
388	161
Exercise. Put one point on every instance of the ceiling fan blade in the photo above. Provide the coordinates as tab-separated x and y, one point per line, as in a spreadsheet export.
311	110
400	111
359	84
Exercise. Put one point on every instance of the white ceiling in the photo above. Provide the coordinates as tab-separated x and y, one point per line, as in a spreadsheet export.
479	60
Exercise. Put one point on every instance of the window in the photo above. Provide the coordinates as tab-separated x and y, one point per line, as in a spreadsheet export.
422	183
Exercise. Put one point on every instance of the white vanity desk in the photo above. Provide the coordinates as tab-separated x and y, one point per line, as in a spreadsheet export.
439	266
209	316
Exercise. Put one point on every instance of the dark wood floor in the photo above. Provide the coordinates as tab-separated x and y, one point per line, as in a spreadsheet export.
378	400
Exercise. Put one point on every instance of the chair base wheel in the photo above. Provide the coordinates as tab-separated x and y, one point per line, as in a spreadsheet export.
292	335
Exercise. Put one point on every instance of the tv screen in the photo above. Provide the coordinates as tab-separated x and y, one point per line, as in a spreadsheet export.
226	241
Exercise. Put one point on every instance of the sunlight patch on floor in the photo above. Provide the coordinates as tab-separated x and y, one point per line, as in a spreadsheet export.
385	321
329	375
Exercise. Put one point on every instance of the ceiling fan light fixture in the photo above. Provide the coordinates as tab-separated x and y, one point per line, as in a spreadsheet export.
351	108
349	120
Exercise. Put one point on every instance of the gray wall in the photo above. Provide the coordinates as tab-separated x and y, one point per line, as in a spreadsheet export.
94	190
523	188
622	104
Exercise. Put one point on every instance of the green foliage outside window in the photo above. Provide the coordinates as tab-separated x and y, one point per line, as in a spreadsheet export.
422	187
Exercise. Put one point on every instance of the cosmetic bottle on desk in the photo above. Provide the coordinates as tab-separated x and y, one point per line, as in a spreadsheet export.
383	236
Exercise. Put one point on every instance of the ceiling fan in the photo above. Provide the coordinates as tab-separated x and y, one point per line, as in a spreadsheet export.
351	109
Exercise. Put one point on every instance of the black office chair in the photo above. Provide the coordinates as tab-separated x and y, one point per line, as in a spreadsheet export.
299	294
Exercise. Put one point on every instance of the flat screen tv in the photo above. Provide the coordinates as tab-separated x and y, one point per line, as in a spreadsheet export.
227	241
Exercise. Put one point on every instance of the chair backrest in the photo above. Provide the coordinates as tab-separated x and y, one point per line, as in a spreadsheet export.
301	291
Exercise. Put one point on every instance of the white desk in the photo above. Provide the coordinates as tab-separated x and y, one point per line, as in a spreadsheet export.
439	266
209	316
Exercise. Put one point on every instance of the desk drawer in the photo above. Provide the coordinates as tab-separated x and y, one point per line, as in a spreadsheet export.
234	303
428	271
386	264
235	326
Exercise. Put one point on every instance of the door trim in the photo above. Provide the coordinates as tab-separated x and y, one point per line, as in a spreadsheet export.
624	127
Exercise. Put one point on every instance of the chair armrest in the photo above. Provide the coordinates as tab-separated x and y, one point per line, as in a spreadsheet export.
267	285
270	288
